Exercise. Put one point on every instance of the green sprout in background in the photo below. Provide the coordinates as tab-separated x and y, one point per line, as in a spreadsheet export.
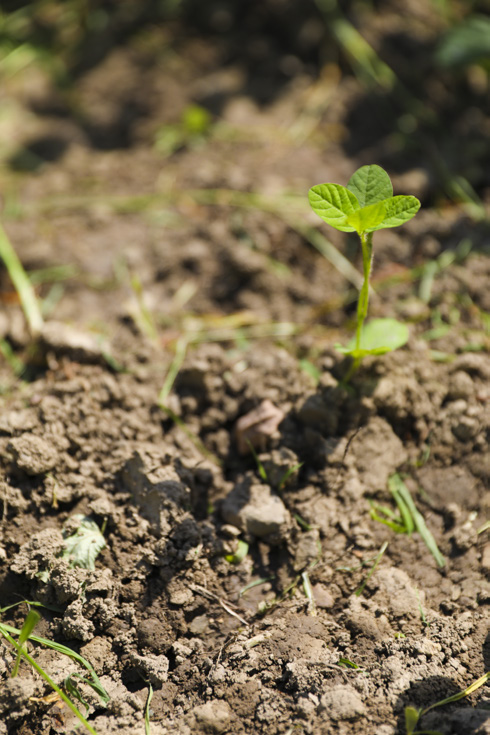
365	205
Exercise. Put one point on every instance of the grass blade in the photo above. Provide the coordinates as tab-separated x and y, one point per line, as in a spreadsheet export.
6	630
396	484
30	623
421	526
21	283
22	652
147	709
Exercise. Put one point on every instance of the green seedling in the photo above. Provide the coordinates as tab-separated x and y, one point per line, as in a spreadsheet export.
308	593
83	546
408	519
19	645
347	663
365	206
412	715
194	126
240	553
21	283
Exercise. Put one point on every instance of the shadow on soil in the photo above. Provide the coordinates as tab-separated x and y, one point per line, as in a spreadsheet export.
453	719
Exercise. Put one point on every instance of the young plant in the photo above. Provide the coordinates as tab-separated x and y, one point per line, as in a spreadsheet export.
364	206
408	519
19	645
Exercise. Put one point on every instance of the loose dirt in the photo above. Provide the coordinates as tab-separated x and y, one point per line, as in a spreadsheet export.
222	288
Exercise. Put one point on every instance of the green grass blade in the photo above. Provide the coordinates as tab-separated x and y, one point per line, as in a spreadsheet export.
60	648
30	623
260	466
412	716
47	679
308	593
21	283
290	471
460	695
394	483
420	525
383	514
15	363
240	553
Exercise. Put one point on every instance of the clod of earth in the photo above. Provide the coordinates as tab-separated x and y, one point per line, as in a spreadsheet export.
257	426
256	510
32	454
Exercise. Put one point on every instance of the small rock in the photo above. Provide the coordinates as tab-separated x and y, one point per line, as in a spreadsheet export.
32	454
460	386
403	599
213	717
322	597
75	624
306	549
156	489
378	453
154	668
99	652
199	625
281	466
64	340
257	426
254	509
466	428
342	703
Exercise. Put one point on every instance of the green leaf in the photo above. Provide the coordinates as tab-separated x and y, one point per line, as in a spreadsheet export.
466	43
368	218
378	337
411	719
30	623
83	546
240	553
370	184
399	210
333	203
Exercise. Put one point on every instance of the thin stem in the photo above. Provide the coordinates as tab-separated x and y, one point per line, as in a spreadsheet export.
362	304
21	283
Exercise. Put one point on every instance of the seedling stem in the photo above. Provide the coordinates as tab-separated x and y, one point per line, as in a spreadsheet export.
364	206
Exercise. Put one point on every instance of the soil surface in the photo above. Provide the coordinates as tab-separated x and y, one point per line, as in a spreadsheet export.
185	392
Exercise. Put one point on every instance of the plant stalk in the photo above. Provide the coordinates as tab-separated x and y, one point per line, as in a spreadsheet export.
362	304
21	283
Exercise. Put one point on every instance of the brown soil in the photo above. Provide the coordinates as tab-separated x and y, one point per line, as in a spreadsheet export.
169	253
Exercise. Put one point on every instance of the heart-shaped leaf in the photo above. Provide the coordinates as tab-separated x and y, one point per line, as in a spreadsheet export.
378	337
368	218
398	210
333	203
370	184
